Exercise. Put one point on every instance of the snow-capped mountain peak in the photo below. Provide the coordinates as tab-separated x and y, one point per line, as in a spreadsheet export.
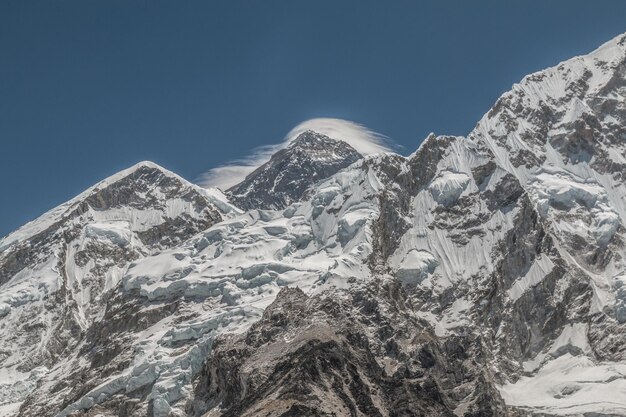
309	158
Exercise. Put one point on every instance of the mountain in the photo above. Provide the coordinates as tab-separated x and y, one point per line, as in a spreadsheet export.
480	276
282	180
57	273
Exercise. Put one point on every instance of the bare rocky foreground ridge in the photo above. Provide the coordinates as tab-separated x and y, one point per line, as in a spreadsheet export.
480	276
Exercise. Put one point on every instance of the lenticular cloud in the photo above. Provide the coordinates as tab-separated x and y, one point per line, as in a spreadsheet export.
364	140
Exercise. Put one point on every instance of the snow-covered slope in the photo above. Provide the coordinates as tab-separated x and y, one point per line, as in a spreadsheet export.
562	133
480	276
56	273
218	281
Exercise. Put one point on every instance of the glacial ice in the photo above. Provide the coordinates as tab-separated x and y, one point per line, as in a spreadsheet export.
415	266
448	187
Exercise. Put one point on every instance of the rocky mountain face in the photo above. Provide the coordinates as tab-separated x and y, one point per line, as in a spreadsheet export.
480	276
353	352
284	179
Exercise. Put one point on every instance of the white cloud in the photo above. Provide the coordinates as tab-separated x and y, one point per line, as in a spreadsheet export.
364	140
224	177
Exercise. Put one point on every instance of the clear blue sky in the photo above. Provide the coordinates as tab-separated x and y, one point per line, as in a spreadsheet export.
90	87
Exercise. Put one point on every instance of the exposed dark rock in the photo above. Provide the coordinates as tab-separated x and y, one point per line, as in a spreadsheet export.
327	355
284	179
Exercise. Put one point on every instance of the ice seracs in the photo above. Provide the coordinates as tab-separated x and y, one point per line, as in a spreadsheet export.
448	187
